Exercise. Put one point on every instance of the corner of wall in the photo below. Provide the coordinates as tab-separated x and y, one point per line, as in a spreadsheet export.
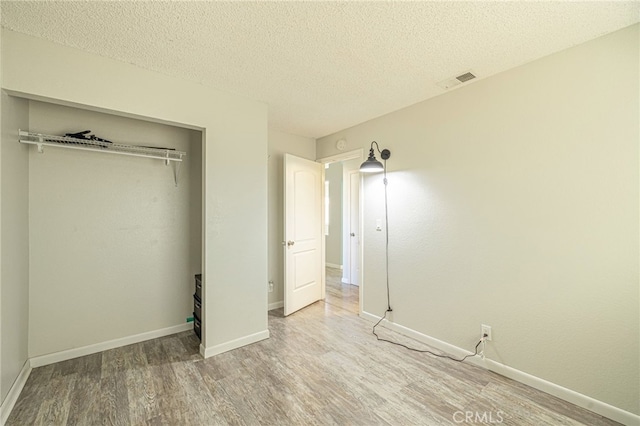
14	392
14	254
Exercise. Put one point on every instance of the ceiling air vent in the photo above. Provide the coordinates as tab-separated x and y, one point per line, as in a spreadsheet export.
452	82
465	77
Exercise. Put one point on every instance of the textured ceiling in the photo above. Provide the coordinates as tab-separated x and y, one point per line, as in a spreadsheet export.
321	66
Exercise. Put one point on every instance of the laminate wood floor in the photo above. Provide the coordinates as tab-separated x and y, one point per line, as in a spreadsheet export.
321	366
337	293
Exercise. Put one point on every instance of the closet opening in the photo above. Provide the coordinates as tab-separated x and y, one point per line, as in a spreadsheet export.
114	243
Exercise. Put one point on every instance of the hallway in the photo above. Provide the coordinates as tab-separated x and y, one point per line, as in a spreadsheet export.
345	296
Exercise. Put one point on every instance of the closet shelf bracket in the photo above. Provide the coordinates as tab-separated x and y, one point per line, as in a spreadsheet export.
168	155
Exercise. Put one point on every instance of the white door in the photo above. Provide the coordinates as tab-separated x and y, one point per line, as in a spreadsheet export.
354	227
304	251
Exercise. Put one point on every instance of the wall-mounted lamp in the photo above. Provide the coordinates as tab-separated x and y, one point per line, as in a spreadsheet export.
372	165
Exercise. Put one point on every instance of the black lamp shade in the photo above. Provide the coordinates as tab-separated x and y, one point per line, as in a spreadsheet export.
371	166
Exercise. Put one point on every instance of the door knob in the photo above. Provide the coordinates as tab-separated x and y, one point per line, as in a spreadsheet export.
353	234
290	243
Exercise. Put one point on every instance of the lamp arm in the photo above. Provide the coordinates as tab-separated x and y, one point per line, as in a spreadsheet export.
384	154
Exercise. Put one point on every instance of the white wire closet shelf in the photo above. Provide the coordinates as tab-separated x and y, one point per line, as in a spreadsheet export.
167	155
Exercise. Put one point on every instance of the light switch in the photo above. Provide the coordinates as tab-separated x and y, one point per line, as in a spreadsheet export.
378	224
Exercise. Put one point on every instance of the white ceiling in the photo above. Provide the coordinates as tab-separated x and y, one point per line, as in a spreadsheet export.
321	66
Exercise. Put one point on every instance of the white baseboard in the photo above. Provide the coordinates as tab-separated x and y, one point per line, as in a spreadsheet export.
14	392
234	344
584	401
276	305
39	361
333	265
346	281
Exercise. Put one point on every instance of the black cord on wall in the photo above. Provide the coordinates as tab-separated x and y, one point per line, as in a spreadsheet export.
425	351
386	231
386	220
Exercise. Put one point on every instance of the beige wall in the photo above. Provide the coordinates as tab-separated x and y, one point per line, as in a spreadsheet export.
14	228
513	202
110	236
234	166
333	241
279	144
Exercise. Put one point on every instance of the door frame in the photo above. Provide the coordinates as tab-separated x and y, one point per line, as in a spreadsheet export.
344	156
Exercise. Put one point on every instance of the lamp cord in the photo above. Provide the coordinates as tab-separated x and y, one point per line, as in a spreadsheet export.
386	231
386	221
424	351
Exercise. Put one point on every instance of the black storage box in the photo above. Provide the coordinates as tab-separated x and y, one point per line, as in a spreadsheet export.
197	306
197	326
199	286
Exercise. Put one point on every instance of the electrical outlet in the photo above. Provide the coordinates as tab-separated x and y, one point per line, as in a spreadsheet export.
486	329
270	286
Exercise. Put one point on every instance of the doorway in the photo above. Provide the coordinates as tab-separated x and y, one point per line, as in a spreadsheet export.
343	244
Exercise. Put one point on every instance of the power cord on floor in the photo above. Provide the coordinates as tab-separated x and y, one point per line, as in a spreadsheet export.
386	220
425	351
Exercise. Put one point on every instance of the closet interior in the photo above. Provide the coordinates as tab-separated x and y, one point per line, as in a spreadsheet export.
114	241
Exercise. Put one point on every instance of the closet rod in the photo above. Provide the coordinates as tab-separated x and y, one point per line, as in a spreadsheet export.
41	140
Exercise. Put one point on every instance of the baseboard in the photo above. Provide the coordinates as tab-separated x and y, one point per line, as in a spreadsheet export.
234	344
346	281
39	361
18	385
333	265
584	401
423	338
276	305
14	392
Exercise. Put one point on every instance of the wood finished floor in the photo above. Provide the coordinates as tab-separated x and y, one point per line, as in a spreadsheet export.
321	366
345	296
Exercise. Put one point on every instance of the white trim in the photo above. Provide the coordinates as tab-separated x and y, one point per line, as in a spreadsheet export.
361	282
276	305
343	156
423	338
584	401
323	243
88	107
344	281
39	361
234	344
14	392
333	265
